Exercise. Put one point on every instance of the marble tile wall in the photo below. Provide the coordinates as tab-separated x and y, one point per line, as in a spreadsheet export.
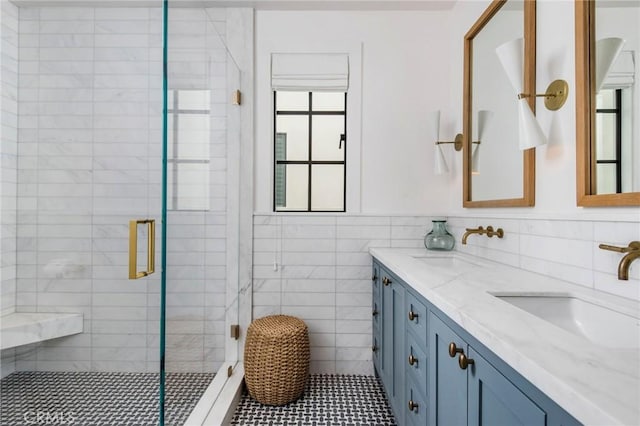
566	249
8	166
90	161
317	267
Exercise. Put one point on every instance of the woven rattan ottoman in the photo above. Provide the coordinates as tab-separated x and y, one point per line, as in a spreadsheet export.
276	359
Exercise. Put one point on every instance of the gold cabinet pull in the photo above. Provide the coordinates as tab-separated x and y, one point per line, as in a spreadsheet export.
453	350
412	360
464	362
412	405
386	281
412	315
375	312
133	248
374	348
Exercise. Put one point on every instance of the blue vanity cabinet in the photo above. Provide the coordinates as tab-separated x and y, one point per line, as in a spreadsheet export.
417	350
468	389
389	359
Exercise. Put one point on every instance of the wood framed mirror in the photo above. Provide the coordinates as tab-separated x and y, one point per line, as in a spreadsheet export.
607	164
505	175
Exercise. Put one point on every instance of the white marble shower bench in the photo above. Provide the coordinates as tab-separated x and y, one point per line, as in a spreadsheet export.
22	328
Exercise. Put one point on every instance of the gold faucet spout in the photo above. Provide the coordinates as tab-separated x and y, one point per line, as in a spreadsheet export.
625	264
478	230
632	252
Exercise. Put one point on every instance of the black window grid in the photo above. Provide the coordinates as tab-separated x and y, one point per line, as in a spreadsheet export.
310	113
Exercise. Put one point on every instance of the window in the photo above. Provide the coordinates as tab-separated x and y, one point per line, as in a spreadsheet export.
188	150
609	141
309	151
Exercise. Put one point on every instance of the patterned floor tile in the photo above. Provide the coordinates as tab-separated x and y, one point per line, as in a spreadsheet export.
97	399
327	400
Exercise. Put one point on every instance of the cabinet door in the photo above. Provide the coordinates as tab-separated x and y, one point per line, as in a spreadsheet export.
399	351
495	401
386	321
392	354
447	381
415	405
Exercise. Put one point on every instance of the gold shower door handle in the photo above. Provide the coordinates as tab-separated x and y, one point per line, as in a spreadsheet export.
133	248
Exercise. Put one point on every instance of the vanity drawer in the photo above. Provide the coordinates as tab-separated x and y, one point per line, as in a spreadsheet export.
415	405
416	317
416	363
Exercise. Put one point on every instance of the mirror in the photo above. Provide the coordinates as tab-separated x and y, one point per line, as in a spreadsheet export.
607	103
496	172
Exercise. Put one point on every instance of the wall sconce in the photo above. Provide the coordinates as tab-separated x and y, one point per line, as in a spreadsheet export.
440	164
607	51
511	55
484	117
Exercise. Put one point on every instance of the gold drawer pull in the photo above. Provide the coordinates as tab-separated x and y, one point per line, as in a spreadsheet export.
386	281
413	406
464	362
453	350
412	360
412	315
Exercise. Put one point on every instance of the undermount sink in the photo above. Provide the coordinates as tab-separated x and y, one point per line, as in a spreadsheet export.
446	262
599	324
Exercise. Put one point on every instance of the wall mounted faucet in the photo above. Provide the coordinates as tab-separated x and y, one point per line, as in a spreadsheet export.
490	232
632	253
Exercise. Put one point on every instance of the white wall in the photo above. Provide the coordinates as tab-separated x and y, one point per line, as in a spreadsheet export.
395	58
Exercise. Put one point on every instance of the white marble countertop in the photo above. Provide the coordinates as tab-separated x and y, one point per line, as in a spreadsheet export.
595	384
22	328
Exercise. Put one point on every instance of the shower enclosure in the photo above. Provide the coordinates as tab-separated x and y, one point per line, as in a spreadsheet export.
118	121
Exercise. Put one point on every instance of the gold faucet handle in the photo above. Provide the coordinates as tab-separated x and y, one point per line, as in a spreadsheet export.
633	246
478	229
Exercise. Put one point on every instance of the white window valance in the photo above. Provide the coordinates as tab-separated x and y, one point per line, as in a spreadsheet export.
622	72
310	71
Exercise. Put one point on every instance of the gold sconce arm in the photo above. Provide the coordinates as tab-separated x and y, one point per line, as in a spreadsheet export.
457	142
555	96
133	248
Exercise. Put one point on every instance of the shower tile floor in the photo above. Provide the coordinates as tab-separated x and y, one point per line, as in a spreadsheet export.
96	399
327	400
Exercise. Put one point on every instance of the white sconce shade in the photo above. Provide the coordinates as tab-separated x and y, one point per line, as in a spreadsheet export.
607	51
530	133
433	124
484	116
440	166
511	55
475	161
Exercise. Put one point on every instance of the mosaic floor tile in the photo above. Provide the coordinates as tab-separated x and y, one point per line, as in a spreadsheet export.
97	399
328	400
